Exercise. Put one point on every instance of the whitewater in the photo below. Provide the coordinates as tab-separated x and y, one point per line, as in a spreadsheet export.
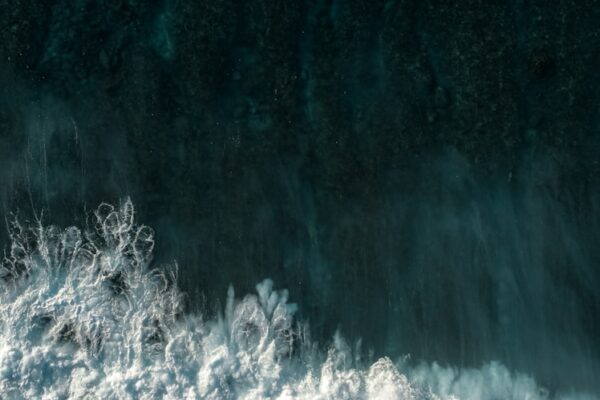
84	314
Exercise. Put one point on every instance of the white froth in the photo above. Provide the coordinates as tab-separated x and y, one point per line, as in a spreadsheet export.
83	316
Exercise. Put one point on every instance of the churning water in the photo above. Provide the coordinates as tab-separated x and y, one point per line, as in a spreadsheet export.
84	314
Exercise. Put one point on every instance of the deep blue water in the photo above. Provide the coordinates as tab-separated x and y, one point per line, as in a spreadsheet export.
418	175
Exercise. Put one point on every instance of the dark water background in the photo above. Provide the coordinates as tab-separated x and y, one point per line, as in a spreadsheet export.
421	174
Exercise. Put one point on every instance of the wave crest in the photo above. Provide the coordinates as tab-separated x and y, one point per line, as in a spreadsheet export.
84	315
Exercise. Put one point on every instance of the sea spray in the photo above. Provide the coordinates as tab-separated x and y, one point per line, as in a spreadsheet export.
85	315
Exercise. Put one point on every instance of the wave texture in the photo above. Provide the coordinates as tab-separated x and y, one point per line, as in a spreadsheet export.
85	315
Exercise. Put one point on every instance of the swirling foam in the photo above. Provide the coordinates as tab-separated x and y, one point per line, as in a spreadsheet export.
84	316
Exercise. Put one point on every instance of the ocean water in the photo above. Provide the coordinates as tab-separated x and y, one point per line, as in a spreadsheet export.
85	314
332	198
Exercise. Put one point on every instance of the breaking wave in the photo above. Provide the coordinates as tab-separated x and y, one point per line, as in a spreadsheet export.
84	315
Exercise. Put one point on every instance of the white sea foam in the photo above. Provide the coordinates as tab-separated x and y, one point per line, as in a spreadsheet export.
84	316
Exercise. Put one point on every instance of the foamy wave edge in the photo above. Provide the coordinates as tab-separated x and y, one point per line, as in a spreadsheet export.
84	315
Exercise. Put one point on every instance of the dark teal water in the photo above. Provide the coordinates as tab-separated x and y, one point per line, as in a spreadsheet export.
419	174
